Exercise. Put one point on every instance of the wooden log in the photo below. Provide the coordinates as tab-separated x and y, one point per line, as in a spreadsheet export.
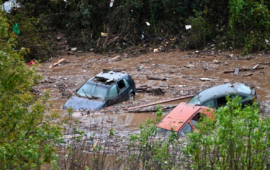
155	78
113	69
94	145
248	74
160	102
151	109
243	69
58	62
117	58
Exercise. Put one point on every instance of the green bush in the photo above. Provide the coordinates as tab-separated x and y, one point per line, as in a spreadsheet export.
249	24
27	135
237	139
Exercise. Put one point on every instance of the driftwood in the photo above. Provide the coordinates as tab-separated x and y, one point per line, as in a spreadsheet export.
114	69
243	69
265	63
248	74
151	109
117	58
160	102
58	62
149	89
155	78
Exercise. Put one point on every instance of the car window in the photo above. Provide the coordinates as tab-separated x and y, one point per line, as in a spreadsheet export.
221	101
126	83
163	132
194	122
122	85
195	119
113	91
185	130
93	91
210	104
195	100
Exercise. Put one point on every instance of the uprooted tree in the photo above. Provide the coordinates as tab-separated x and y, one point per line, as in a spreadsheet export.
27	135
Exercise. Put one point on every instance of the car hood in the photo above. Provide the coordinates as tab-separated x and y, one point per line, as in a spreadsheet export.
77	103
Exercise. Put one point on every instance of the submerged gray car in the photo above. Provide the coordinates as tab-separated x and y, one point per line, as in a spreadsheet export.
105	89
216	96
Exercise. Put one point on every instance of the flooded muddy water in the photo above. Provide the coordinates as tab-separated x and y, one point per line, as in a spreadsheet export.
182	70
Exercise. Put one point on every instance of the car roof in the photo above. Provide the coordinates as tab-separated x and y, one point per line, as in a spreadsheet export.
107	78
181	114
111	75
224	89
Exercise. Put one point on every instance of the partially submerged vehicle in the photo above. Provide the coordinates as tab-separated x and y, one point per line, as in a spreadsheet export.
182	119
105	89
215	97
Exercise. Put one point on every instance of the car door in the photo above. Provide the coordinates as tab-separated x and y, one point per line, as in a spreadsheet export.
114	96
123	89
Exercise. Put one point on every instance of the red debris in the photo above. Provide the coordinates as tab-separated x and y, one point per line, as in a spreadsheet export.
31	62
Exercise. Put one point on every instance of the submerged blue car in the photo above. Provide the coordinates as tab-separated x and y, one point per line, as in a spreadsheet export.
105	89
215	97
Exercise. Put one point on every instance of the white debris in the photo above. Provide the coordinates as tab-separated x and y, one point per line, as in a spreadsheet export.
9	5
74	49
188	27
267	42
103	34
255	66
216	61
147	23
111	4
156	50
205	79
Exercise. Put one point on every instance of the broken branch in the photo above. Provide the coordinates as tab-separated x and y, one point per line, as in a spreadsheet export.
160	102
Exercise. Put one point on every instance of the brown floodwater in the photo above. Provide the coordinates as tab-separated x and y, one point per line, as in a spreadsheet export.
181	80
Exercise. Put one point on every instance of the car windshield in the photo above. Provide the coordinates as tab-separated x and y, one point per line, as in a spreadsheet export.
163	132
93	91
195	100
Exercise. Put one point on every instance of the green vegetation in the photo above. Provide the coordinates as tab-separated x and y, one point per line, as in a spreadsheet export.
226	23
154	153
237	139
27	135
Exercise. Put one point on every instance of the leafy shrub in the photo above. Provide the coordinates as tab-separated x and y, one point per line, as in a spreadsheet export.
237	139
26	133
250	24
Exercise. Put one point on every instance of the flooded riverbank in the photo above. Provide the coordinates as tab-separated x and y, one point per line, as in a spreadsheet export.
182	71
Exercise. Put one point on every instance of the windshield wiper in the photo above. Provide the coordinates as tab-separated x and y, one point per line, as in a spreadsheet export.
86	94
96	97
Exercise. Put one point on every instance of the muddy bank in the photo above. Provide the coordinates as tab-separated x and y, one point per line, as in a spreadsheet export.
180	74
